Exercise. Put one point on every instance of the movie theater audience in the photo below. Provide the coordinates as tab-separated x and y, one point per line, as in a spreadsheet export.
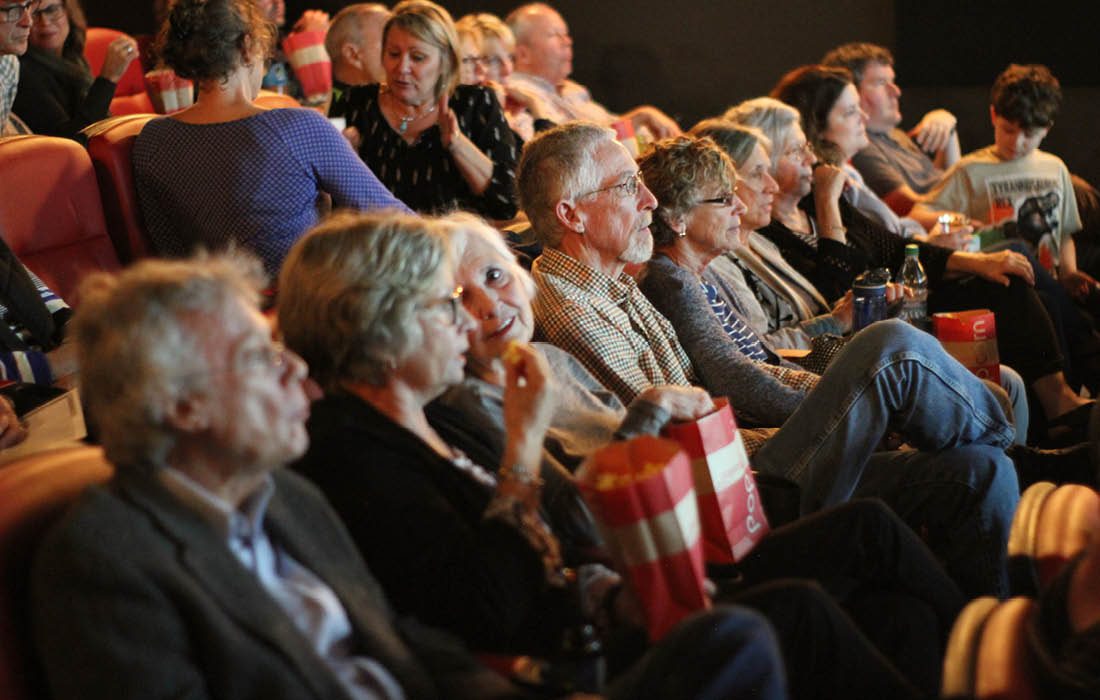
58	95
543	63
227	171
830	242
437	145
203	565
438	441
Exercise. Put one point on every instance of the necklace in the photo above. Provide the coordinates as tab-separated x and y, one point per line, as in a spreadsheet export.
405	121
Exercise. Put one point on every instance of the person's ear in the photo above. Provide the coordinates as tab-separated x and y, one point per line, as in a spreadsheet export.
349	52
992	115
676	222
188	414
569	215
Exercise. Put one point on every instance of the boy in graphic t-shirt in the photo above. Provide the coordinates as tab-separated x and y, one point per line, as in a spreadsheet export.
1012	180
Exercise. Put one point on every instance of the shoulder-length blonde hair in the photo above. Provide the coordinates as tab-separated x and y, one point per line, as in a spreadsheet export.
432	24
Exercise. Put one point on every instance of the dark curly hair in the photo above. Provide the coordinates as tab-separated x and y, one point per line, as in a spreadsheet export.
676	170
813	90
204	40
1027	95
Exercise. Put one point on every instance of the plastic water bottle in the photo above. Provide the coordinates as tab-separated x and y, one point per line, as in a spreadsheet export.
914	309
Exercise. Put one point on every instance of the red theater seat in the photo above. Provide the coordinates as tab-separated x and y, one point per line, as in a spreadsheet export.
34	491
110	144
130	95
51	214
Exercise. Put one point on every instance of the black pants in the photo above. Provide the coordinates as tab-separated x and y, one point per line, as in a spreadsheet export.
895	594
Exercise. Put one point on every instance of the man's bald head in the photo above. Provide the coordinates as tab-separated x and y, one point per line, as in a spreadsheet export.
543	45
354	43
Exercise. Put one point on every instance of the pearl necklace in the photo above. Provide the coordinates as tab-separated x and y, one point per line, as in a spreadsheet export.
405	121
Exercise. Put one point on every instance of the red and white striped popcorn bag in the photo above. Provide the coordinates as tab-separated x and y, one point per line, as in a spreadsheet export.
305	51
730	508
168	92
642	495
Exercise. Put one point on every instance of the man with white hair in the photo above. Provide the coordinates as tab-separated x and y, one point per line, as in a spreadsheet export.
591	211
15	29
204	568
354	44
543	62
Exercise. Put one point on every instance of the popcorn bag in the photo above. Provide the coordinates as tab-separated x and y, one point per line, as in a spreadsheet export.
641	493
169	92
730	507
305	51
971	338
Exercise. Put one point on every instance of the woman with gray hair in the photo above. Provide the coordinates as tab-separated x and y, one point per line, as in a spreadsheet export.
778	303
437	145
372	303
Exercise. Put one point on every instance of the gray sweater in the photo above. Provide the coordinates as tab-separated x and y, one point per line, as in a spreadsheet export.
755	392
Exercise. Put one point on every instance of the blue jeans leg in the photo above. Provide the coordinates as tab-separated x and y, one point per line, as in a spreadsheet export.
961	500
890	376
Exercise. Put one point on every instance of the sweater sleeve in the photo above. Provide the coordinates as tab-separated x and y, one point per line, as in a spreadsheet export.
487	127
754	394
338	169
41	103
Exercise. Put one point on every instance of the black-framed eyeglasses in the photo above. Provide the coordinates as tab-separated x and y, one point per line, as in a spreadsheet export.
12	13
627	188
49	14
454	300
725	200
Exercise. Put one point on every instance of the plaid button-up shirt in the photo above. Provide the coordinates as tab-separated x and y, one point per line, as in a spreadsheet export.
608	325
9	81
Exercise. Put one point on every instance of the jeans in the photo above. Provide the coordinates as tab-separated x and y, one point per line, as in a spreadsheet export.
893	377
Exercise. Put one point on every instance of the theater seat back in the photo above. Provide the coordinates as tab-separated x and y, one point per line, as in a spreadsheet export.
51	214
110	145
98	39
34	491
130	95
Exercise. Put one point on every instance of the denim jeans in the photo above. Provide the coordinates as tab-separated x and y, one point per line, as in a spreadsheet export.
893	377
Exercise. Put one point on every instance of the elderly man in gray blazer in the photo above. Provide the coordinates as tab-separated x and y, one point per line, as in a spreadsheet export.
204	570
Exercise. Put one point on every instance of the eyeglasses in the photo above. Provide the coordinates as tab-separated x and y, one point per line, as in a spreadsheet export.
13	13
626	188
470	61
454	300
272	355
725	200
799	152
495	61
49	14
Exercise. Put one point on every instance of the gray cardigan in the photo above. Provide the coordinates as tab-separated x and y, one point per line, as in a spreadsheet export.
755	395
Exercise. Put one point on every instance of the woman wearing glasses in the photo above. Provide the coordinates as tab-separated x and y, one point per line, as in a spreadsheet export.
57	94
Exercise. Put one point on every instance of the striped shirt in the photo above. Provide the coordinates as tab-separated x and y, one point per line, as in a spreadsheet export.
735	328
29	365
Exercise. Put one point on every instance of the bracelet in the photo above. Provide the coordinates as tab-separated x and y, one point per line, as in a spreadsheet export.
521	477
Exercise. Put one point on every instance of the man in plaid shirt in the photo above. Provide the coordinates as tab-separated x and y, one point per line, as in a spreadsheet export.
591	211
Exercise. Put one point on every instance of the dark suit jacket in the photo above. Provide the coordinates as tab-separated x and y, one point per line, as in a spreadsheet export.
134	596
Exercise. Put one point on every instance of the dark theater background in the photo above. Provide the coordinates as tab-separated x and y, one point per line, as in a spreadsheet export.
693	58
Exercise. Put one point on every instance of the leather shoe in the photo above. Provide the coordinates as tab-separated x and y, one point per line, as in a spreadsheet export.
1066	465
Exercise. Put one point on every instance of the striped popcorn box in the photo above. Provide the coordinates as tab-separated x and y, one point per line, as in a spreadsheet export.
643	498
729	503
971	338
305	51
168	92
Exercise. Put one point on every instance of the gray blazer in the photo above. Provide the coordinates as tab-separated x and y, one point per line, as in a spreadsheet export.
134	596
